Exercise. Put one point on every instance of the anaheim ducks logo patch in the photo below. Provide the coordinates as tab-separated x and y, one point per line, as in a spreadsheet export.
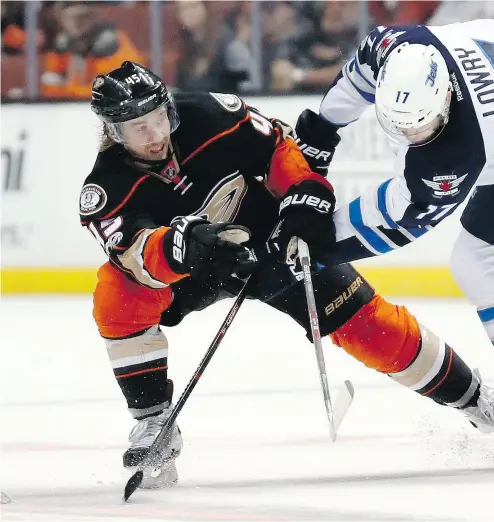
93	199
98	82
224	200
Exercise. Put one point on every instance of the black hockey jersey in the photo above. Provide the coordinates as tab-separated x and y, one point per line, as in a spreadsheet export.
230	163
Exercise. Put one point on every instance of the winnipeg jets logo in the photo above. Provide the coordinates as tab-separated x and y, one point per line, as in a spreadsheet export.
445	185
431	77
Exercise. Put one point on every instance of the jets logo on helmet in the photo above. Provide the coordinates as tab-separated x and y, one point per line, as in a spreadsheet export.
431	77
413	94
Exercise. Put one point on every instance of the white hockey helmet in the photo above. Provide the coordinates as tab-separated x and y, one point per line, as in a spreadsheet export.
413	94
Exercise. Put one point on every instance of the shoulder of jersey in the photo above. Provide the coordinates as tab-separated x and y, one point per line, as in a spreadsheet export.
110	183
205	116
384	39
209	102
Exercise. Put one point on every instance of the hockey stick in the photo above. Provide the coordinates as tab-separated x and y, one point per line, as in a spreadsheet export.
135	481
346	392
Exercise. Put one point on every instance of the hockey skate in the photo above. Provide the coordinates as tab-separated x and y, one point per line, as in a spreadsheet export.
163	472
482	415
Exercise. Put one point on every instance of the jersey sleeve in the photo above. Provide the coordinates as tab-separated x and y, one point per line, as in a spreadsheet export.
382	220
135	245
264	148
131	240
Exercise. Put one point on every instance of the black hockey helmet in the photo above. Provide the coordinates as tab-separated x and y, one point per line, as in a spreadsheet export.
129	92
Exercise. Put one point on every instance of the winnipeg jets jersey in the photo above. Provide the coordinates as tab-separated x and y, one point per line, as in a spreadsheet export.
432	180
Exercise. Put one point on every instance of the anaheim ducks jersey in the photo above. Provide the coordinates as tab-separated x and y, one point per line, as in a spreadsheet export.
227	163
432	180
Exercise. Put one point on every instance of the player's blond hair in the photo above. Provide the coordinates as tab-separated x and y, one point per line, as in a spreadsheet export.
106	141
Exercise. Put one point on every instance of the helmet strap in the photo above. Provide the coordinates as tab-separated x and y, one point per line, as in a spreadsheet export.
156	167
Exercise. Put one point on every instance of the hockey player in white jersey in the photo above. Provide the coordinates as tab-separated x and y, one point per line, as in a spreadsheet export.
433	92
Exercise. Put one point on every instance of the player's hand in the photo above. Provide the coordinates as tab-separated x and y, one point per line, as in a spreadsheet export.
317	138
306	212
209	252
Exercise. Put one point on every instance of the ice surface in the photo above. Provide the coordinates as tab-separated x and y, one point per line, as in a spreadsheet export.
256	440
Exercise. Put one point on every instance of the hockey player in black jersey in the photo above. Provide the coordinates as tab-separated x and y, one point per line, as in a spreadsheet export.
184	196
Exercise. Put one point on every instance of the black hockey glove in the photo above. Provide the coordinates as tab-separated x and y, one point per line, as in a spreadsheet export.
317	138
209	252
306	212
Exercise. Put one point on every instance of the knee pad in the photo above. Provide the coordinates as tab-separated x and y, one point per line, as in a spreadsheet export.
122	308
381	335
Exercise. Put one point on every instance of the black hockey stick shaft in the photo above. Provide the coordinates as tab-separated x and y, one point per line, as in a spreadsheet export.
135	481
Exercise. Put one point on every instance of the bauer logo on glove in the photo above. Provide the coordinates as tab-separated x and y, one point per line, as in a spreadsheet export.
321	205
306	212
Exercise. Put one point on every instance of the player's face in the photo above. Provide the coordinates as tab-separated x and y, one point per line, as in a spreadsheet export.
422	134
148	136
416	136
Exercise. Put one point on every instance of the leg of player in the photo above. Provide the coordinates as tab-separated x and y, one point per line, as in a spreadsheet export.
387	338
127	316
472	264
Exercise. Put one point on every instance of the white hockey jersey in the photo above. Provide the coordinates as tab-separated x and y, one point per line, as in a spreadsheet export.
432	180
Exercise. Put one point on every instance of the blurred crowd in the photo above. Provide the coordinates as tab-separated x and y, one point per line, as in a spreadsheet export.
229	46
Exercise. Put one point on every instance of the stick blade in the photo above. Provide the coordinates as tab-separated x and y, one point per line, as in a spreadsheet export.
343	401
132	484
350	388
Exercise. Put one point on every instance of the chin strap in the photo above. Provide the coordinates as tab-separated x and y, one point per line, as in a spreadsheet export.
165	170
